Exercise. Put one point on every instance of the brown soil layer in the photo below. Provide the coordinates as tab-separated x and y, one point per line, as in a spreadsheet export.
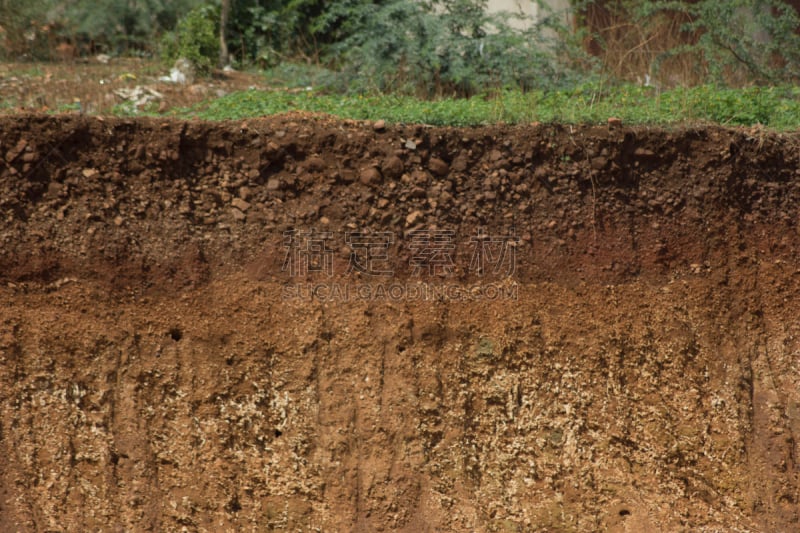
160	371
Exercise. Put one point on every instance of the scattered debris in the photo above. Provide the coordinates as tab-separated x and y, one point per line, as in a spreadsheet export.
182	72
139	96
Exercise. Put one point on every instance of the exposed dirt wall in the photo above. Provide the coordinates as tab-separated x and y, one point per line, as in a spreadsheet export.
163	368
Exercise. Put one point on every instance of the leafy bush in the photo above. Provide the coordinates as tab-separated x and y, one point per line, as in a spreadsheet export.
23	29
738	42
452	47
195	38
30	29
271	31
755	36
125	26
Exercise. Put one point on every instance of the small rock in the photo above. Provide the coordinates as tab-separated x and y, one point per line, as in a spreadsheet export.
413	217
370	175
244	193
240	204
89	172
599	162
324	221
417	192
14	152
460	163
273	184
238	215
541	173
315	164
118	220
411	145
379	125
438	167
54	189
420	177
614	122
392	167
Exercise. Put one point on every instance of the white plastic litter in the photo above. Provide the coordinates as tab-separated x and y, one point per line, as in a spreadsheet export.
139	96
183	72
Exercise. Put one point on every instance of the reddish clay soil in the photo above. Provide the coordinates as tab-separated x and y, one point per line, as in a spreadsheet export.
639	370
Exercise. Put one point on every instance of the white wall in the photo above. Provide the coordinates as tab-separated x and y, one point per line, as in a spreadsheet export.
528	8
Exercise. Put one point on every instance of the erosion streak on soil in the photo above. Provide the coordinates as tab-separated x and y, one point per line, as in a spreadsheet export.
160	370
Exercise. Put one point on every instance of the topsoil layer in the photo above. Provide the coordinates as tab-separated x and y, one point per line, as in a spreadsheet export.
305	324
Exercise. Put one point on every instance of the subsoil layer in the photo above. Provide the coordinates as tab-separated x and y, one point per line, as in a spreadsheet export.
301	323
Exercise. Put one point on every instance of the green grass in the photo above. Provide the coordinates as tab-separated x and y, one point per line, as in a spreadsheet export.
26	72
775	107
8	104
